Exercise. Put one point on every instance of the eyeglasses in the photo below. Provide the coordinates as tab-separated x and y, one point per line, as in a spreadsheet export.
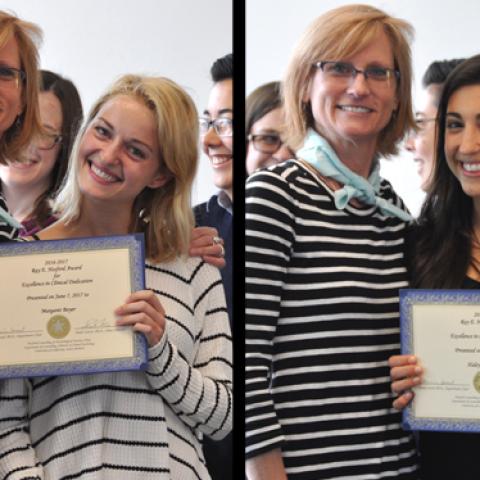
420	122
266	142
46	141
10	75
346	71
222	125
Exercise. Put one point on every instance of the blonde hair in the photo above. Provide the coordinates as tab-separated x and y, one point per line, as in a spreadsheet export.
28	37
340	33
168	231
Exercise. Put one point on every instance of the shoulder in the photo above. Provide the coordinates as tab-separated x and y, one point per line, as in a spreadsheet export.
203	210
388	193
289	185
183	272
289	171
290	177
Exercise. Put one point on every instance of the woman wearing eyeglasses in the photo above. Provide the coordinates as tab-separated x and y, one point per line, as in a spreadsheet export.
19	116
28	185
264	128
324	261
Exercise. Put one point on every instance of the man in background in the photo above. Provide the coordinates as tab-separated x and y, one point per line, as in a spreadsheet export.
216	132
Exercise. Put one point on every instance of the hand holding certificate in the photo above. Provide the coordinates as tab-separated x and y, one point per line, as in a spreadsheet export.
58	306
442	329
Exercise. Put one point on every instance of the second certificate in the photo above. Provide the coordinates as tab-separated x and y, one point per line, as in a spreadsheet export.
442	328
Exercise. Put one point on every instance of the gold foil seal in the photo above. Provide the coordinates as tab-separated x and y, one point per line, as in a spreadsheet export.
58	326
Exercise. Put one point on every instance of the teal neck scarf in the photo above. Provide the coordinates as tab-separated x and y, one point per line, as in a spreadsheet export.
317	152
6	217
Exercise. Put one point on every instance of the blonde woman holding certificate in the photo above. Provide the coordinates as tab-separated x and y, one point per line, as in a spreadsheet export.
131	171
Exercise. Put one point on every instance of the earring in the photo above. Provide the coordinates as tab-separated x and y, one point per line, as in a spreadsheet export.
142	215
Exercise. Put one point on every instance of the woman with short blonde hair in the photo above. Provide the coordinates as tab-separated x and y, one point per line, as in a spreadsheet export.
20	117
325	259
27	37
341	33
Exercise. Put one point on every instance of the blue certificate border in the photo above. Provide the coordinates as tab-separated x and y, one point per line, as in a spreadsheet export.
136	247
408	298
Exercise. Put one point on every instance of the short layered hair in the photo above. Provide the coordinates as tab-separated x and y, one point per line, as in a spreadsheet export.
28	37
340	33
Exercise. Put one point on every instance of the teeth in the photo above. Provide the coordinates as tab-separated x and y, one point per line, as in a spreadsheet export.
220	160
471	167
23	164
102	174
348	108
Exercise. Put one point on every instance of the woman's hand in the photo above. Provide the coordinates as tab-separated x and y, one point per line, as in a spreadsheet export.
405	374
144	312
206	243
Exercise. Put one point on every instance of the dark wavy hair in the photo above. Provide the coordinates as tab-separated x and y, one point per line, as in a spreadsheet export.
72	114
444	231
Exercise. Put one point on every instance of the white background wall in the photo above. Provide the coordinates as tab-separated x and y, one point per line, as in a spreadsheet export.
92	42
444	29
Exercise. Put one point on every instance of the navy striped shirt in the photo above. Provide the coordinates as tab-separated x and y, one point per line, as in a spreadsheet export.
322	319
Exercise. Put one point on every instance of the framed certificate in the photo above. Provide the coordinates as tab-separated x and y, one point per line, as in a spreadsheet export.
442	328
58	299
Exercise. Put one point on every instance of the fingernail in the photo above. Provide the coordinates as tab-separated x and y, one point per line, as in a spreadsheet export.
416	379
412	360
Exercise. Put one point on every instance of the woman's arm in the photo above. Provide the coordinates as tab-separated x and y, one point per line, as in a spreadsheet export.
266	466
270	234
17	456
196	384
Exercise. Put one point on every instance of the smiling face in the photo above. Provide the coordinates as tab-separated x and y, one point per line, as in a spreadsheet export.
422	142
462	138
220	148
270	124
34	172
119	153
357	109
11	104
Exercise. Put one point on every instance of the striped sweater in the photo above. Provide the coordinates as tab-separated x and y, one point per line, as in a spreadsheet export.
132	425
7	232
322	319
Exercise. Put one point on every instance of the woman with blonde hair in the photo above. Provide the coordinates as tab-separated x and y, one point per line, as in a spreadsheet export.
131	171
324	253
19	114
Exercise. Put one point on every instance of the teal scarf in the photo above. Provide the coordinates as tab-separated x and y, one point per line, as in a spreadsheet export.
317	152
5	216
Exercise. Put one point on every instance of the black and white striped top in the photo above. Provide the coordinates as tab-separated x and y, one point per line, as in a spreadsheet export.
132	425
322	319
7	232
